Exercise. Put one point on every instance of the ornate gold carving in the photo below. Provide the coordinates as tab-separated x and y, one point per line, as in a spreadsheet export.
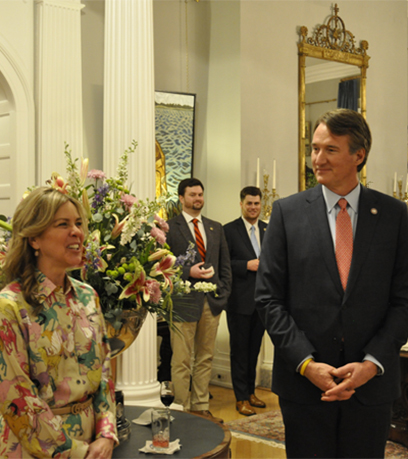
334	36
332	42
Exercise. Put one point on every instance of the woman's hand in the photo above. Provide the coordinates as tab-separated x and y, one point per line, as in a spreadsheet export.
100	449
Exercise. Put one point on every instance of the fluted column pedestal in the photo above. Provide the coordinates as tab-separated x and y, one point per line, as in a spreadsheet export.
128	116
58	84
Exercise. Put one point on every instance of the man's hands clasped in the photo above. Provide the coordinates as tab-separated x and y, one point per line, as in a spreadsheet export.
339	384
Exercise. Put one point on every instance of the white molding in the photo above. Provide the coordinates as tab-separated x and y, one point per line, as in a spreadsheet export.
13	73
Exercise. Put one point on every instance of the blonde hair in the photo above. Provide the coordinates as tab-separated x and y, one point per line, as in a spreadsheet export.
32	217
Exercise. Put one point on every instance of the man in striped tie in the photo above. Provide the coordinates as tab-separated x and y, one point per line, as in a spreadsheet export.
193	343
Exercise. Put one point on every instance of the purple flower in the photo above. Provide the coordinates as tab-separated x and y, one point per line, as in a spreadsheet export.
100	195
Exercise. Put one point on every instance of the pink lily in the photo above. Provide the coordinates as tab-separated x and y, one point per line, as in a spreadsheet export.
158	254
58	183
135	287
165	267
118	228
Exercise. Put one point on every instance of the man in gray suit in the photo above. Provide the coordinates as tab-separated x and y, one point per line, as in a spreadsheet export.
200	312
332	291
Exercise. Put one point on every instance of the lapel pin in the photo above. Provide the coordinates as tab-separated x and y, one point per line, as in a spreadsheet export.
211	228
374	211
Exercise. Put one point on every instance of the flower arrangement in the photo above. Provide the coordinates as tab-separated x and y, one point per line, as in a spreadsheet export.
126	258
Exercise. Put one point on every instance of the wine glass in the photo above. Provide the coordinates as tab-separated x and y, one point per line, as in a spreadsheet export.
167	394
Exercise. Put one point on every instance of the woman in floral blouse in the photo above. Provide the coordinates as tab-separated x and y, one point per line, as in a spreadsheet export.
56	391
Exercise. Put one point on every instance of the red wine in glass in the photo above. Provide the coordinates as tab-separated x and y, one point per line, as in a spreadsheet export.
167	399
167	393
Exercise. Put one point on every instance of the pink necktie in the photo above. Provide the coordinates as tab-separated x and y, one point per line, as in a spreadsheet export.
199	239
344	242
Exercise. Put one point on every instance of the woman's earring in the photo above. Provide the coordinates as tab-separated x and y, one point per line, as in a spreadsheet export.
36	253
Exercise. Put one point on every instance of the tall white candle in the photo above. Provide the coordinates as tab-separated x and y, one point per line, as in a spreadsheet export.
274	175
406	189
257	172
395	182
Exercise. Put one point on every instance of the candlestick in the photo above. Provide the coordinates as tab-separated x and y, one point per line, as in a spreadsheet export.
406	187
274	175
257	173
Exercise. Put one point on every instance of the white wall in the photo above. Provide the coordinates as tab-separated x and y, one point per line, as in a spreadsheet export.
269	33
92	30
17	29
213	47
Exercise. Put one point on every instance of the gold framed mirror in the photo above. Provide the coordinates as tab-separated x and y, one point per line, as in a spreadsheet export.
329	56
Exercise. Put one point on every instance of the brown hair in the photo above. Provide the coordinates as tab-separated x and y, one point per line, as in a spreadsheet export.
348	122
32	217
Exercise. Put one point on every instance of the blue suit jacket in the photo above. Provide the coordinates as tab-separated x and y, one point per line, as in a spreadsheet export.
241	300
302	303
189	307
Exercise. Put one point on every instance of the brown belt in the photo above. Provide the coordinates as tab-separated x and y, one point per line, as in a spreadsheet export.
73	408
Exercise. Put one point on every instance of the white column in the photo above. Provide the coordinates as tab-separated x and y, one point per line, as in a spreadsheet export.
129	115
58	92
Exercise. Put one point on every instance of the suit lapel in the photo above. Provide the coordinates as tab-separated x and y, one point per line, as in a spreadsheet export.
262	229
241	229
367	221
317	213
208	234
185	231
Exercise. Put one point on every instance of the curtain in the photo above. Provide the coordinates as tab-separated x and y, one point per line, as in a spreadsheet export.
348	94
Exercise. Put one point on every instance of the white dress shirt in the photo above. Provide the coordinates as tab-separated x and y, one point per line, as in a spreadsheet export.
189	220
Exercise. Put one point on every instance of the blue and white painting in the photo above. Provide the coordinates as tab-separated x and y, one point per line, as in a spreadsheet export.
174	113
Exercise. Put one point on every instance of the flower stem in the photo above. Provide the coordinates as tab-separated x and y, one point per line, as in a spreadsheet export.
6	226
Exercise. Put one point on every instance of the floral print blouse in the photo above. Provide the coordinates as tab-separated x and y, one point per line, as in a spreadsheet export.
47	361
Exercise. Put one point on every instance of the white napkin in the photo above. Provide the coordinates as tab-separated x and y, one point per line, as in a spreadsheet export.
145	419
173	447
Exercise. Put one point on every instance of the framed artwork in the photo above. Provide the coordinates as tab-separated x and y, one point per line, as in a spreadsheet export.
174	118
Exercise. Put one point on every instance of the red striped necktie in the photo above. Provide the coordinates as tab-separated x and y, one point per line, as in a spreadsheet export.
344	242
199	239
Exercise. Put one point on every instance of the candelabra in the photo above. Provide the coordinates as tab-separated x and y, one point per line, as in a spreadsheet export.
268	198
401	196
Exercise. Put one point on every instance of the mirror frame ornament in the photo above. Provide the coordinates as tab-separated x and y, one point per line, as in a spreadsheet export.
334	43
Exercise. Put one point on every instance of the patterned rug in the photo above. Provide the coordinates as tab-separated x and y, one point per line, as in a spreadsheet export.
268	428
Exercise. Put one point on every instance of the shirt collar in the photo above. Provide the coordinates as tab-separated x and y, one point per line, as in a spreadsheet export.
249	225
331	198
46	287
190	218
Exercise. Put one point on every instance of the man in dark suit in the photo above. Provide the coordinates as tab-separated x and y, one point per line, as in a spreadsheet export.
200	312
244	238
337	324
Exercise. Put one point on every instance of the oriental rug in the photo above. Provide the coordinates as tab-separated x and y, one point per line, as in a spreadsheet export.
268	428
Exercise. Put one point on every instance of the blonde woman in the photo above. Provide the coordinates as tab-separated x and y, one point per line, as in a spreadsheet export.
56	391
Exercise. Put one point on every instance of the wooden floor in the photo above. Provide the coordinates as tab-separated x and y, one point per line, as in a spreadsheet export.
223	405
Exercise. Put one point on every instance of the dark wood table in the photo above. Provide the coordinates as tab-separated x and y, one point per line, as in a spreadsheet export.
199	437
399	422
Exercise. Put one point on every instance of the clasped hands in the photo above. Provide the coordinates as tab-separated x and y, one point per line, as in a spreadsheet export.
339	384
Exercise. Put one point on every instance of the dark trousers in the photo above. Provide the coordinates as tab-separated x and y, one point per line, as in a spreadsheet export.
345	429
246	333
